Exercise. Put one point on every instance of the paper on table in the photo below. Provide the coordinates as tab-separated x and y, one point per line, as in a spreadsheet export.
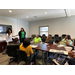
33	46
46	43
59	51
61	45
68	48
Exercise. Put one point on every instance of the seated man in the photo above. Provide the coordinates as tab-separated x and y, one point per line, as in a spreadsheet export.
37	40
66	41
71	60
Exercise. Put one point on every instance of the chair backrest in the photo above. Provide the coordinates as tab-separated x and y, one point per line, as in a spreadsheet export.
12	50
56	37
63	36
33	36
43	37
39	36
22	55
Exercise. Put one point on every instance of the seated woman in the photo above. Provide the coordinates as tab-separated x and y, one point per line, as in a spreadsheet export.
49	40
66	41
37	40
28	49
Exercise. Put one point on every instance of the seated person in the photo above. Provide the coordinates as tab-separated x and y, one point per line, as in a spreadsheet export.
49	40
37	40
66	41
71	60
28	49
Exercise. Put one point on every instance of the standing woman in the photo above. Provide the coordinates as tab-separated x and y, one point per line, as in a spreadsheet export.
9	36
22	35
8	39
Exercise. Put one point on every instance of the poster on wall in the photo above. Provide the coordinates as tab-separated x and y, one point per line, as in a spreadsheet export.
1	28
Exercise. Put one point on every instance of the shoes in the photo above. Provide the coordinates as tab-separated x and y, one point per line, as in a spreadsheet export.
32	63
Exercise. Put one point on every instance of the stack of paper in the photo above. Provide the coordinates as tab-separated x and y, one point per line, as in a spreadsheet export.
61	46
33	46
59	51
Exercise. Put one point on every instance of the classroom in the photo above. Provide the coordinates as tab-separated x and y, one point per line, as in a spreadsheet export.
37	37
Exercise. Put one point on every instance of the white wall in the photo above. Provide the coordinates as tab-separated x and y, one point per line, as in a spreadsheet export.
59	26
16	25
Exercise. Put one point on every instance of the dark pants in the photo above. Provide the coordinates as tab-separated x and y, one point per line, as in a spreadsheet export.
33	57
71	61
21	40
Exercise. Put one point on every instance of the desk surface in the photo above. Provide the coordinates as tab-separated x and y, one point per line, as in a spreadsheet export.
44	47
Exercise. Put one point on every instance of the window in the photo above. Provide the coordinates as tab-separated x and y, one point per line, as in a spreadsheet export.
44	30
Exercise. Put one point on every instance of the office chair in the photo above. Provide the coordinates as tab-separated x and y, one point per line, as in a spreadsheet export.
63	36
12	51
33	36
53	38
22	56
56	38
43	38
39	36
59	38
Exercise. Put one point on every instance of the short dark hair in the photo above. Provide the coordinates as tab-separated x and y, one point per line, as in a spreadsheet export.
26	42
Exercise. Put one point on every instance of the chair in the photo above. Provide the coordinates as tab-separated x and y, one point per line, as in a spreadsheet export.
59	38
12	51
22	56
33	36
53	38
56	38
43	38
63	36
39	36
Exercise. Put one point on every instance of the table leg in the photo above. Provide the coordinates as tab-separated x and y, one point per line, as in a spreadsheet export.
42	58
46	57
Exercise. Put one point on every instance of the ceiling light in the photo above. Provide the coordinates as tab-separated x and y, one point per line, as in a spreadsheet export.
10	11
45	12
27	17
